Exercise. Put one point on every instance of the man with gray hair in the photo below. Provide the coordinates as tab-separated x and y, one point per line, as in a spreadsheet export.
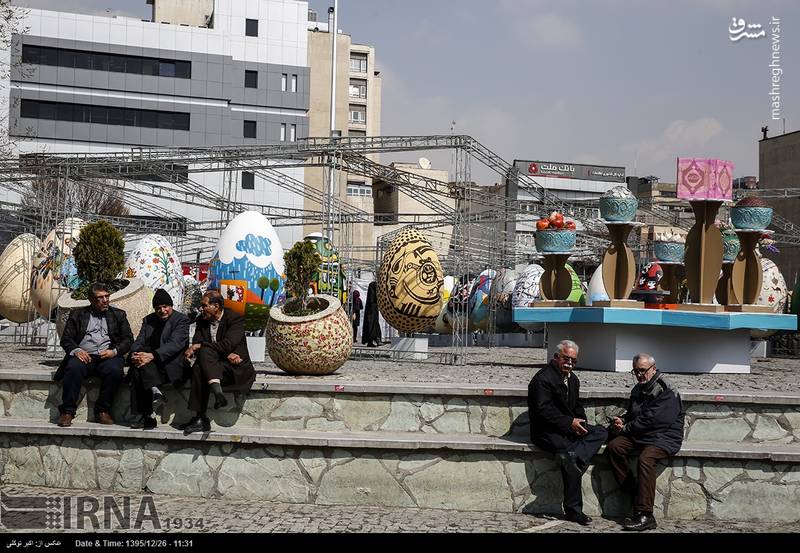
558	424
653	426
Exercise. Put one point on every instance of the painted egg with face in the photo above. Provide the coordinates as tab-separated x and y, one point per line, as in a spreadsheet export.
249	255
527	288
54	270
479	295
16	265
330	279
773	293
410	283
155	262
502	291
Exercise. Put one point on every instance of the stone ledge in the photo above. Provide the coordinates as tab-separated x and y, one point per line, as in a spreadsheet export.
375	440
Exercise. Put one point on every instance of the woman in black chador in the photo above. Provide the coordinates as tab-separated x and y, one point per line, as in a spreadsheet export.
371	331
355	315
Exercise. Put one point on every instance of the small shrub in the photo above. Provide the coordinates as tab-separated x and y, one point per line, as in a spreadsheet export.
99	257
302	261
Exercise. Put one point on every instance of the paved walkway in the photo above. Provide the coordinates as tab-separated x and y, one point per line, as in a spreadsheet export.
219	515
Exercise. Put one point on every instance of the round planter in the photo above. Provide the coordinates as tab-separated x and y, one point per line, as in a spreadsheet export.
730	247
133	299
315	344
554	240
669	251
618	209
751	218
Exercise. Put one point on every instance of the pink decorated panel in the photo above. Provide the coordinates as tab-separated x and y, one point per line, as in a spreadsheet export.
704	179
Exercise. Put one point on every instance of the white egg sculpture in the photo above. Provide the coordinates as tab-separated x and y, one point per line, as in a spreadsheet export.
527	288
443	323
54	270
155	262
502	291
248	249
16	266
597	289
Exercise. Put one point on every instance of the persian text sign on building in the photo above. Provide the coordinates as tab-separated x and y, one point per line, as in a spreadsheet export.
704	179
570	171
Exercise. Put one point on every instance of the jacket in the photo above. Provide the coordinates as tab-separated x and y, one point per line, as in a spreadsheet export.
655	415
119	333
230	339
552	406
174	341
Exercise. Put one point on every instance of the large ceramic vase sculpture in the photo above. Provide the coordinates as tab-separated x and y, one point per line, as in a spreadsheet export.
730	249
669	249
315	344
750	217
618	208
555	247
133	299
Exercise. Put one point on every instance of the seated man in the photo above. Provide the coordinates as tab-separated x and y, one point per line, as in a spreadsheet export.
558	425
96	339
220	350
156	358
652	424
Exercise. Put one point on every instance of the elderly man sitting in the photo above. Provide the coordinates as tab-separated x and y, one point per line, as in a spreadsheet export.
652	425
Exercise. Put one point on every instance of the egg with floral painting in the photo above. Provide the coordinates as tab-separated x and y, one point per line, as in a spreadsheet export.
478	306
155	262
773	293
54	269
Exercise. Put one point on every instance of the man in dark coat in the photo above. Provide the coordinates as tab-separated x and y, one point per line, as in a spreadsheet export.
371	331
96	339
558	424
157	358
220	349
653	425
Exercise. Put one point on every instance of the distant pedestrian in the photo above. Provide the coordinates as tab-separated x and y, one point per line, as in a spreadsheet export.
371	331
355	315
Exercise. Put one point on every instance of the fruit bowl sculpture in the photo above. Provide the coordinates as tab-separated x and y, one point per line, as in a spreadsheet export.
555	234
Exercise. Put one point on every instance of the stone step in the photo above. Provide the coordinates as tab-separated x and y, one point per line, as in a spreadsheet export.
747	482
435	408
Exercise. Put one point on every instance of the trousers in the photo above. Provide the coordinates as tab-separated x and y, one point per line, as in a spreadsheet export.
618	450
208	366
143	379
109	371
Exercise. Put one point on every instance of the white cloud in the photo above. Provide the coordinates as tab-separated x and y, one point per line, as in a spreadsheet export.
536	25
681	137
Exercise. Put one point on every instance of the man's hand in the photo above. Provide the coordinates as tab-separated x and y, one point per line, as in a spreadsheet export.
234	359
616	424
83	356
141	358
107	354
578	428
190	351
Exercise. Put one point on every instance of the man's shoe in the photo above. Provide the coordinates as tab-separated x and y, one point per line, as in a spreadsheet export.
65	419
159	400
197	424
641	522
104	418
579	518
144	423
568	460
220	401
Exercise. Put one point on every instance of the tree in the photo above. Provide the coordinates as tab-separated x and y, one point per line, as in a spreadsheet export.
302	261
99	256
74	197
11	23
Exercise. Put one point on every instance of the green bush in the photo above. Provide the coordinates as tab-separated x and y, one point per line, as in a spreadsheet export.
302	261
99	257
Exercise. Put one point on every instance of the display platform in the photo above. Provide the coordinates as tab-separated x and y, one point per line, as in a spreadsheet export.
681	341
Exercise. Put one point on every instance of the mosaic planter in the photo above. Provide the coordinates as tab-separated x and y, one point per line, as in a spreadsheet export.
315	344
133	299
751	218
730	247
669	251
619	210
554	240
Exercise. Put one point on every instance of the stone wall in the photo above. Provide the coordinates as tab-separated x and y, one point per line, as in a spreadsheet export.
736	489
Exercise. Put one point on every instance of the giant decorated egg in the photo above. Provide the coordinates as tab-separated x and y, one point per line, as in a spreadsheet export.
444	322
248	256
54	270
330	278
502	290
597	288
410	283
773	293
155	262
479	300
578	294
16	264
527	289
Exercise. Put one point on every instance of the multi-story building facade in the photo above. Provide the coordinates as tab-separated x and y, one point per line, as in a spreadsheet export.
202	73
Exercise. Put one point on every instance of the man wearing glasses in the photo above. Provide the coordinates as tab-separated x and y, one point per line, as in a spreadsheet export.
652	425
558	425
96	339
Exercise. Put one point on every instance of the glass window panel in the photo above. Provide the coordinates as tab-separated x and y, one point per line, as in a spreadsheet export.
148	119
116	63
251	79
31	54
248	180
249	129
181	121
166	68
165	120
83	60
251	27
133	65
100	62
29	108
150	66
49	56
183	69
99	115
115	116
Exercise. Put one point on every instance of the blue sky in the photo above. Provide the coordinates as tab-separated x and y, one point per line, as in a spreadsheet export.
613	82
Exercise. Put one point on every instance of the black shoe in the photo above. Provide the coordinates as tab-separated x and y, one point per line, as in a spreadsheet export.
220	401
159	400
579	518
640	522
569	461
144	423
197	424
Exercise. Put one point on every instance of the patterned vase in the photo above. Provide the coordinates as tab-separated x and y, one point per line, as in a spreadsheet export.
751	218
669	251
316	344
554	240
730	247
133	299
618	209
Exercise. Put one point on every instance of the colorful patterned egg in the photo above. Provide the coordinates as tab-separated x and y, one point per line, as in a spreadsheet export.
192	296
249	254
444	322
16	264
479	300
773	293
155	262
54	270
527	288
330	279
410	283
502	290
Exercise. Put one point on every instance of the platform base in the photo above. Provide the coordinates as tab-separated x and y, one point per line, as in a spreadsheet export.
409	348
256	348
749	309
631	304
554	303
704	307
513	340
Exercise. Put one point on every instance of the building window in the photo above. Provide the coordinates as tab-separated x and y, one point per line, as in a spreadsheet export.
248	180
358	89
249	129
251	79
284	77
251	27
116	63
293	133
104	115
358	115
358	188
294	83
283	132
358	63
357	134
